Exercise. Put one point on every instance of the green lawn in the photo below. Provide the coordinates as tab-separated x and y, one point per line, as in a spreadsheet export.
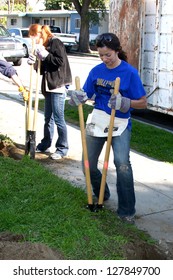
45	208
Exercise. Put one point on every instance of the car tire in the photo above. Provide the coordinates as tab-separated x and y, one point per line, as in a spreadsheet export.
17	62
68	48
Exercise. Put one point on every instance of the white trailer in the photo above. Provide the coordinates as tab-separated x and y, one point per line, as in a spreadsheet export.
145	29
157	54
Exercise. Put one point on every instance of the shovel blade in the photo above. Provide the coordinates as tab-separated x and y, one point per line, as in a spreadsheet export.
30	144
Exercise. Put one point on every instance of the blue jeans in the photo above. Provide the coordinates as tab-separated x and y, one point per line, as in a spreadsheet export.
125	183
54	113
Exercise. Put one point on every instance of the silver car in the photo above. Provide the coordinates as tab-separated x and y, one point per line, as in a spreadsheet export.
10	48
22	35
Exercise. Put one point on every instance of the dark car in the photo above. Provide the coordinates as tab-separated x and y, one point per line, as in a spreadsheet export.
10	48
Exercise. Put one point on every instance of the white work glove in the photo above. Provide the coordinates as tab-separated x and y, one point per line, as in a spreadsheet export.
77	97
31	59
41	52
118	102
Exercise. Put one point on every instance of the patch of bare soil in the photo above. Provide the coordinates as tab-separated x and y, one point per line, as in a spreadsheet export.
10	150
14	247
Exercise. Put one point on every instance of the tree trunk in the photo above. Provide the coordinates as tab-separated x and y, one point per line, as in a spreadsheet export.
9	7
84	28
84	37
12	6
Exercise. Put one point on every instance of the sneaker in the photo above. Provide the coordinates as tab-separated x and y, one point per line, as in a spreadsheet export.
128	219
56	156
39	151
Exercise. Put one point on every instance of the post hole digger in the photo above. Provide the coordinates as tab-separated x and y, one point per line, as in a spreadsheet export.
99	205
31	115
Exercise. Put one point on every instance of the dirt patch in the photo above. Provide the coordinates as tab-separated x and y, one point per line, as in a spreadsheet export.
10	150
14	247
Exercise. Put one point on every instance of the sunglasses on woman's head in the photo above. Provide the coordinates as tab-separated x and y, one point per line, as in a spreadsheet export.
103	38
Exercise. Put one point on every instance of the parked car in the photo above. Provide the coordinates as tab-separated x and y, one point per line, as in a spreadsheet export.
10	48
22	35
69	40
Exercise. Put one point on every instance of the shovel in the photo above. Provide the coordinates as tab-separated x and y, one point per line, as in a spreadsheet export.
85	152
107	152
32	119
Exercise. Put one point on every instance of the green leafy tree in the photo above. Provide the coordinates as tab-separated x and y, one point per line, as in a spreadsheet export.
15	5
88	11
56	5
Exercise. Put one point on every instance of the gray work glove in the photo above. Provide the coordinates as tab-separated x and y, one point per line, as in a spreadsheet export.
31	59
118	102
77	97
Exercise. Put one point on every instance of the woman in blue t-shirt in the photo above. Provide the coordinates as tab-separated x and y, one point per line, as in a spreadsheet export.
99	86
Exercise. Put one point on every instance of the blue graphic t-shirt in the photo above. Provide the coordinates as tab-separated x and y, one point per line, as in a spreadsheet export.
100	82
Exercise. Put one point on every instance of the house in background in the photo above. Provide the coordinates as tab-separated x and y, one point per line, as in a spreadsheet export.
69	21
102	27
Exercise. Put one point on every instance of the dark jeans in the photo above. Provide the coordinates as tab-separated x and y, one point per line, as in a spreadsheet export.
54	114
125	183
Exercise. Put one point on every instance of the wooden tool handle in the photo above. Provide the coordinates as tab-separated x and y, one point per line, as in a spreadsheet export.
84	146
108	146
29	121
36	96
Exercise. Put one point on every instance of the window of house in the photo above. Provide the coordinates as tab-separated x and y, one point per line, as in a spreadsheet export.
52	22
36	20
46	22
90	26
77	22
13	21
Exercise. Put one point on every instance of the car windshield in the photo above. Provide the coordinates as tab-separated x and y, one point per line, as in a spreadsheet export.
25	33
4	32
15	31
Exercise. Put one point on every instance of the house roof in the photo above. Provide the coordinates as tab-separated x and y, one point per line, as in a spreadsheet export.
57	13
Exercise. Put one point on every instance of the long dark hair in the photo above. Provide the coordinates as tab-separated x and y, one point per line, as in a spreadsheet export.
111	41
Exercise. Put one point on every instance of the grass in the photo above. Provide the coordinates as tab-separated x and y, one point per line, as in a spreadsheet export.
47	209
152	141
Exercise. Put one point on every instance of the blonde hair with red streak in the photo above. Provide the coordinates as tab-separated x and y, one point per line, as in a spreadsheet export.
46	34
44	30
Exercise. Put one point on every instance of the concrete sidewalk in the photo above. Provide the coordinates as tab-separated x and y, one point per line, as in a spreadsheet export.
153	179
